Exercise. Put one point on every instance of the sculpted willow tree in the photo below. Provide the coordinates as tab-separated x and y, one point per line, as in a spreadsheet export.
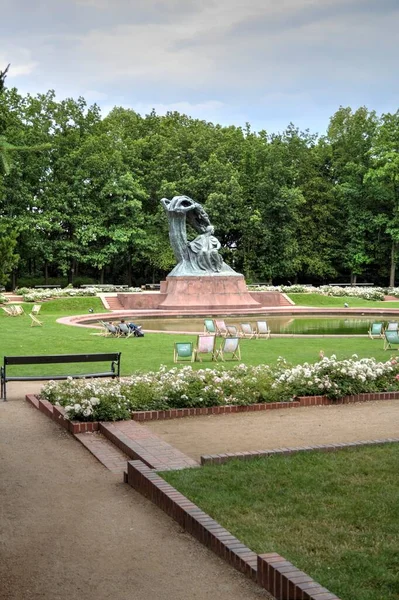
201	255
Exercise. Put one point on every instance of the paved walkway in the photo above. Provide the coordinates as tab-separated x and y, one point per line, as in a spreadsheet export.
70	530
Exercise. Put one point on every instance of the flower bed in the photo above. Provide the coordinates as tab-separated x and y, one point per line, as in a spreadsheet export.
35	295
180	388
366	293
3	299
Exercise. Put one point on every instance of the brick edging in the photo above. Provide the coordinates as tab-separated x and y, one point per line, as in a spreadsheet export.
218	459
271	571
177	413
58	414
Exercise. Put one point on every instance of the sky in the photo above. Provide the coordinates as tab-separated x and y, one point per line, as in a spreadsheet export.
266	62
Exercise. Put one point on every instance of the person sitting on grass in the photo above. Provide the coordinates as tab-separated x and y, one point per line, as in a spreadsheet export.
136	329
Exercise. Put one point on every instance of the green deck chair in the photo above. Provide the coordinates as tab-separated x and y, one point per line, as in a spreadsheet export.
183	351
376	330
209	326
391	339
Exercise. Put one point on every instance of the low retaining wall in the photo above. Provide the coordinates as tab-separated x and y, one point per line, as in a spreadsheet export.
218	459
271	571
177	413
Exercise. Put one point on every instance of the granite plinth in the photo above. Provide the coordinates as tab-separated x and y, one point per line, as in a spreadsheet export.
213	293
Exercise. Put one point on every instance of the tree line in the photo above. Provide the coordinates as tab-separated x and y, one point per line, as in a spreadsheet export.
80	193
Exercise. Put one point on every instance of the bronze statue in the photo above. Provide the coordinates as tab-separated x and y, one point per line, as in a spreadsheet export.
199	256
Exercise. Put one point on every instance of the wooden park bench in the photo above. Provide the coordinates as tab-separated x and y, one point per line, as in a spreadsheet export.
113	371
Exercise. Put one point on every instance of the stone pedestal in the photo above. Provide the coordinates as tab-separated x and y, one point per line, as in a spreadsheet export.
207	293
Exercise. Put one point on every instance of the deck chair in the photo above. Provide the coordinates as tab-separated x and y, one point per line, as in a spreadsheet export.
104	331
262	330
230	345
183	351
9	310
209	326
35	309
247	331
112	330
392	326
232	331
391	339
124	330
376	330
18	310
221	328
35	321
205	345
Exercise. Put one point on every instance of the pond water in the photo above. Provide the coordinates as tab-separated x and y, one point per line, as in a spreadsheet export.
284	324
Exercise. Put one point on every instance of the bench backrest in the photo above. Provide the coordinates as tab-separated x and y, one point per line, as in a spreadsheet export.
60	358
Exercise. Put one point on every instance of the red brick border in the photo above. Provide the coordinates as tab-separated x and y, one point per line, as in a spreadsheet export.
271	571
177	413
133	439
218	459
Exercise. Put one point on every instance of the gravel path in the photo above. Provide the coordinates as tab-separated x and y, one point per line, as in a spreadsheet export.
280	428
70	530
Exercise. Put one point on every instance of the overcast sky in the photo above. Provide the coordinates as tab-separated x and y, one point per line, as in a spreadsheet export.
267	62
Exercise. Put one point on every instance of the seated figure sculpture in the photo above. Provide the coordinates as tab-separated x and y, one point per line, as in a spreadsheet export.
201	255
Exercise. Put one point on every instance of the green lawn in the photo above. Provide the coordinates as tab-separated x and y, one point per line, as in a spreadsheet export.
334	515
333	302
148	353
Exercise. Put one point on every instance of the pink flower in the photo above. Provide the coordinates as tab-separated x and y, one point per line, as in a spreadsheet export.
397	376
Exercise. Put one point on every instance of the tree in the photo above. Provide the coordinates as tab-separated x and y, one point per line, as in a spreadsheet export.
351	136
383	175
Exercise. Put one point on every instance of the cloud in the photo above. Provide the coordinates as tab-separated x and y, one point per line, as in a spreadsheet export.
20	59
253	57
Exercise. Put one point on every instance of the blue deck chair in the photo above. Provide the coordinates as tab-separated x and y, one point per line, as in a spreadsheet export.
209	326
183	351
230	345
376	330
391	339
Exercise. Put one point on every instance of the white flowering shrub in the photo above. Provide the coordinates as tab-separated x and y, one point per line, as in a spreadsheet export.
34	295
3	299
95	400
336	379
366	293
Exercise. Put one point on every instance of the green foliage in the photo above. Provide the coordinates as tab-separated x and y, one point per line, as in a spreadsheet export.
287	206
8	243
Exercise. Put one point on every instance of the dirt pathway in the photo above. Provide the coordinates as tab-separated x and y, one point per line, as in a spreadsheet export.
69	529
280	428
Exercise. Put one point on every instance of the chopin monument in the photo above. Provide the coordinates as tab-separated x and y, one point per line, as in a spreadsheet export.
201	279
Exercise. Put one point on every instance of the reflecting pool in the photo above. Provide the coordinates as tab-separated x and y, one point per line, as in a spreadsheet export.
325	325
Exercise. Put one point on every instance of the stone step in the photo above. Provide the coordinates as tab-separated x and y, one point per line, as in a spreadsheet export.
105	451
114	304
